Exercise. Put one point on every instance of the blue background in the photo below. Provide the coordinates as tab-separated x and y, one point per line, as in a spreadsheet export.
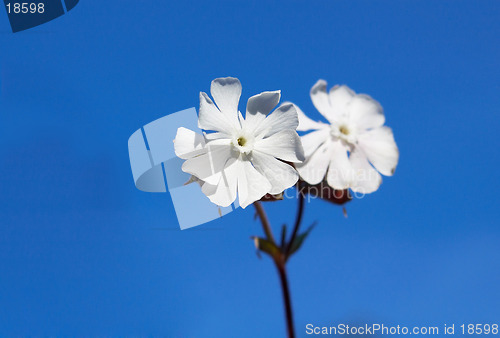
82	252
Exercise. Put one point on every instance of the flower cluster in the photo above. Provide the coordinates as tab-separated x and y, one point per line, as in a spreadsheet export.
261	154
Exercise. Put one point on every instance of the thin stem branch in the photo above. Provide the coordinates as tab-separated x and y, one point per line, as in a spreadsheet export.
298	220
265	222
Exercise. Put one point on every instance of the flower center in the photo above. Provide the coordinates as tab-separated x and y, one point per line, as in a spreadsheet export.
344	130
241	141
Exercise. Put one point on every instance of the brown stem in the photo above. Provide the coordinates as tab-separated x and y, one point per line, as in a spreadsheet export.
265	222
279	261
286	297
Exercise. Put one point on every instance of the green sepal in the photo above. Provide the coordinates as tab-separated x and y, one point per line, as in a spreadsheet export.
299	240
266	246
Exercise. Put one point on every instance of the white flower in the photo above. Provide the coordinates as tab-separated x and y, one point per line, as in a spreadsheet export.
343	149
242	154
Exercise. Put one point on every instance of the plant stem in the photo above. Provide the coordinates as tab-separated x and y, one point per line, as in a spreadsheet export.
286	297
265	222
298	220
280	262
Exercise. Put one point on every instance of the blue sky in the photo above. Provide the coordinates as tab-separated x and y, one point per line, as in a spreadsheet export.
83	252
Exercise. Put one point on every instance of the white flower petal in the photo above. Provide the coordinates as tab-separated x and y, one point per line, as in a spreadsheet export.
207	189
281	175
365	112
313	171
305	123
340	171
225	192
194	179
208	166
365	179
241	119
252	185
320	99
226	93
188	143
284	145
216	136
381	149
283	118
340	98
311	141
258	106
210	118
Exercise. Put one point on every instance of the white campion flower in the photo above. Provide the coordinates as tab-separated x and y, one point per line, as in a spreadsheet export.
343	149
241	155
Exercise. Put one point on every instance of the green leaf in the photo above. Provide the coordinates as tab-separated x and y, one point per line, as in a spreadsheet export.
299	240
266	246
